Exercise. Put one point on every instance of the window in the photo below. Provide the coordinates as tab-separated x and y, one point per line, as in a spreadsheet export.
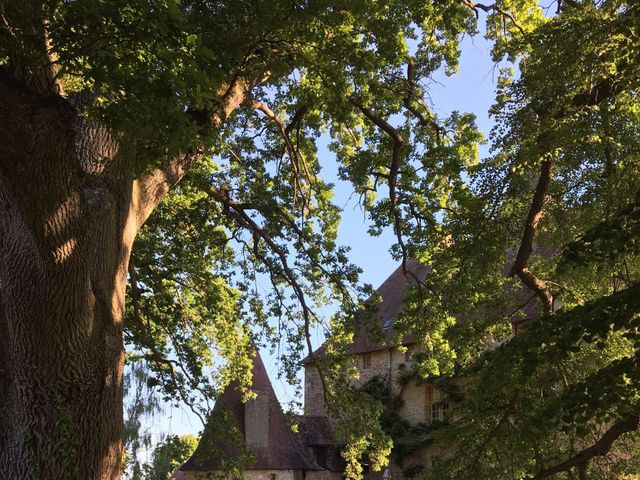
439	411
439	406
273	476
387	324
320	452
366	360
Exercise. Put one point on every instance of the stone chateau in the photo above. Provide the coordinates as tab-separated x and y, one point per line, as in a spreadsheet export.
260	427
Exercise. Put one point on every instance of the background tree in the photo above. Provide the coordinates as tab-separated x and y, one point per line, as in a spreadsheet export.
141	404
169	455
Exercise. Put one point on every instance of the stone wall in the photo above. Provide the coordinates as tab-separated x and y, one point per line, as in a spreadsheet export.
373	364
384	364
416	406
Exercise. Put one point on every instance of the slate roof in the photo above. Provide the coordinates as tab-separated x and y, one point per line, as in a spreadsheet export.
284	451
392	294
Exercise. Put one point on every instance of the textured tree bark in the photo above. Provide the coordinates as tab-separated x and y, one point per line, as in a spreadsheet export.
70	207
67	224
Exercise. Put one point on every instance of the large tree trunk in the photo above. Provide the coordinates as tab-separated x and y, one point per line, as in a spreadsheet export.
70	208
67	224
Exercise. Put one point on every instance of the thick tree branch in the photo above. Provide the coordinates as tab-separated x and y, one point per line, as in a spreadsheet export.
291	152
237	211
492	8
395	136
223	197
598	93
423	119
536	210
394	168
600	448
392	179
151	188
256	105
32	59
296	119
603	90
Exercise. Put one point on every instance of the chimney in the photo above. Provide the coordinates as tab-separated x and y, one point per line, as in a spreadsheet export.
256	421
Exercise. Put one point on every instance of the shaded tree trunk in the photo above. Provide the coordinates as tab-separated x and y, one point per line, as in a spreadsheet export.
67	224
70	207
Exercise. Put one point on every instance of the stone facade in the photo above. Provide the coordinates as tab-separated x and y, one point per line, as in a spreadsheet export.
314	404
323	475
385	361
421	403
384	364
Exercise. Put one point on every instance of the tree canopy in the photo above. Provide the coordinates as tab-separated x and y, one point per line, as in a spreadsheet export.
232	98
553	211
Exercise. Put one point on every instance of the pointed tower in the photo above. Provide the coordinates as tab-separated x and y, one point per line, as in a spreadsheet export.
254	438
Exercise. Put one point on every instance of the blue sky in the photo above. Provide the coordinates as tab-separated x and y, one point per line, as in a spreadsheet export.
471	90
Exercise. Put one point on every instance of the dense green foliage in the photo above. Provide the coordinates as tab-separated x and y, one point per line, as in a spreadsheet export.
244	251
558	398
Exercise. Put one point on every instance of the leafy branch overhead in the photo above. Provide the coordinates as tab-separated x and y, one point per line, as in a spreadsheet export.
195	128
554	207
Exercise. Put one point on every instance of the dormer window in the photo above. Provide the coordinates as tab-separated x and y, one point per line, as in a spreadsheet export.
320	452
387	325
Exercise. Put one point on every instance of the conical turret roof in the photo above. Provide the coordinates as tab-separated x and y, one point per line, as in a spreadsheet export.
283	450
